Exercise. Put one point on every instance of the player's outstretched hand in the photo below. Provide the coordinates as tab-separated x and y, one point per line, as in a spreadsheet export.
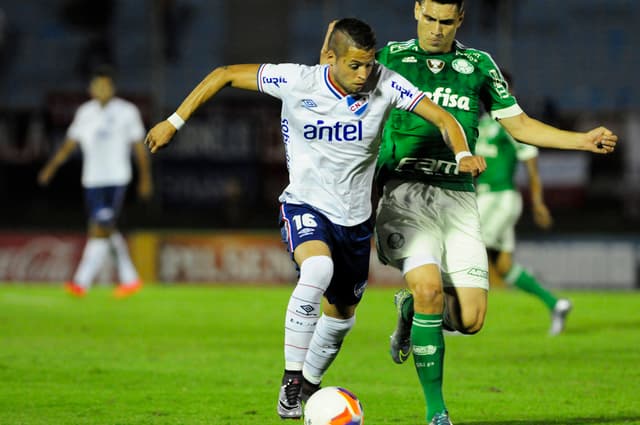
600	140
159	136
472	164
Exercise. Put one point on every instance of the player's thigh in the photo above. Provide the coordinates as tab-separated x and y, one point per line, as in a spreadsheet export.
351	251
310	249
408	224
104	205
304	231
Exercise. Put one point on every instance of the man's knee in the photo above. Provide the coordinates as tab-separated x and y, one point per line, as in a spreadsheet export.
466	311
426	293
426	286
472	323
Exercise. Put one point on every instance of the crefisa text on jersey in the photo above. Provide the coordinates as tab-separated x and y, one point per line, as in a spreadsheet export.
334	132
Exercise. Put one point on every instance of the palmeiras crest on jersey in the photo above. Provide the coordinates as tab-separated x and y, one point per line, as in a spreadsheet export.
463	66
435	65
357	104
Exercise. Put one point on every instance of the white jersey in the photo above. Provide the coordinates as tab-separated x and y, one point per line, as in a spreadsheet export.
332	138
105	135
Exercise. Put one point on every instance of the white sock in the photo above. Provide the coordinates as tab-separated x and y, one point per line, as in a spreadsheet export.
126	270
95	251
325	344
304	309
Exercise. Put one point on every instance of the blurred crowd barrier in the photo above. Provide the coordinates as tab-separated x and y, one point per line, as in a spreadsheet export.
260	258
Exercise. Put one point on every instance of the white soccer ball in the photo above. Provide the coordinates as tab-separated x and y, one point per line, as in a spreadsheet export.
333	406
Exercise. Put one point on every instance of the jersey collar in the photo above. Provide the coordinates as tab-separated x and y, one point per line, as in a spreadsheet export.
333	87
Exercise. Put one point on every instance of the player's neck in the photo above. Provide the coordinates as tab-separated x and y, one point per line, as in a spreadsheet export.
104	102
443	51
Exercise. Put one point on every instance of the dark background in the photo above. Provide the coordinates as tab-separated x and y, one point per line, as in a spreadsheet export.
574	64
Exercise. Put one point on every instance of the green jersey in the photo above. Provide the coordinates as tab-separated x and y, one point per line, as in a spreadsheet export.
502	154
460	81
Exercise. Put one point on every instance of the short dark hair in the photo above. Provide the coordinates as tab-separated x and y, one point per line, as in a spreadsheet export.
104	70
358	33
459	3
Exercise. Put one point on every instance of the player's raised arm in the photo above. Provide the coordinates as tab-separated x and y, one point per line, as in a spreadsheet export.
528	130
239	76
453	135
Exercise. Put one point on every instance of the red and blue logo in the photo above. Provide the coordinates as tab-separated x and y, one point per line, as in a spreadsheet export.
357	104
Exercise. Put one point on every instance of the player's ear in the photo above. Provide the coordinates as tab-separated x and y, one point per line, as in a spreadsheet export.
329	57
417	11
460	18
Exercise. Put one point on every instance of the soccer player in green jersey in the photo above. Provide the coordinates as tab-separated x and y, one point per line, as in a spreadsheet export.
500	206
427	222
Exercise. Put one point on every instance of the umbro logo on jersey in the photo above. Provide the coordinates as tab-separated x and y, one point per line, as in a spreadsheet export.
435	65
306	231
357	105
308	103
410	59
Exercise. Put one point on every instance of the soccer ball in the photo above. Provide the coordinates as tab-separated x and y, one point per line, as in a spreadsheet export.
333	406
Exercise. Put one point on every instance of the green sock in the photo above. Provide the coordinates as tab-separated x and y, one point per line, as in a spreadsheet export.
522	279
428	356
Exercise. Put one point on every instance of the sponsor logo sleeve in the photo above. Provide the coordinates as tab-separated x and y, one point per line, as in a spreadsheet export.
403	93
277	80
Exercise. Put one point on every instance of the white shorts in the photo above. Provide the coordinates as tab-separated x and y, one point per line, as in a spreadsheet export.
419	224
499	213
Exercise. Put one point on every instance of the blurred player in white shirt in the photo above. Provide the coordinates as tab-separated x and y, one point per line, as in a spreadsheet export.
331	119
106	128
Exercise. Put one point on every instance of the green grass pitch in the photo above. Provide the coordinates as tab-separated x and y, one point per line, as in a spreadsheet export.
213	355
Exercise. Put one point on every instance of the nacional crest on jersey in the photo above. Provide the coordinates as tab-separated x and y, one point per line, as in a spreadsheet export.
435	65
463	66
357	104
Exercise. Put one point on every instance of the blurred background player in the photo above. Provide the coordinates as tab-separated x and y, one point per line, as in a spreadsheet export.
106	128
331	119
500	207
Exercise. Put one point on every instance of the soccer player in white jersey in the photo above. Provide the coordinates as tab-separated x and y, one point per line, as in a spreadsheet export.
106	128
331	119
